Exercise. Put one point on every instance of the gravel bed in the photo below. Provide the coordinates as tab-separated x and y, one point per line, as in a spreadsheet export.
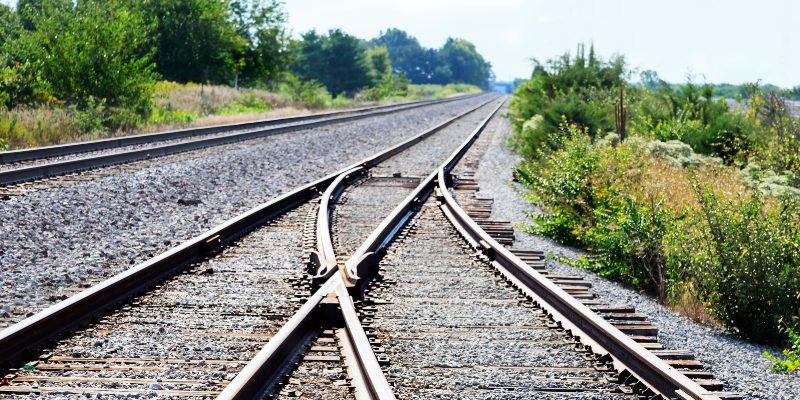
361	209
738	363
321	373
422	158
116	150
194	333
56	241
453	329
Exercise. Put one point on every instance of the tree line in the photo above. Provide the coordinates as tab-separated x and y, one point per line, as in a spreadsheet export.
109	53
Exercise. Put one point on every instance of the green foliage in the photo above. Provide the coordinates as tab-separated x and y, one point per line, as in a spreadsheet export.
750	278
195	40
248	103
791	362
311	93
668	209
261	24
778	141
407	56
581	90
165	116
456	62
82	57
464	64
337	60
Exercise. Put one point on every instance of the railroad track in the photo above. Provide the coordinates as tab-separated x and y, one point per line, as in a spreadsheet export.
185	304
425	304
20	166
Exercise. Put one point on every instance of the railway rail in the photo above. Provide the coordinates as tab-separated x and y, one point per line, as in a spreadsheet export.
375	322
26	165
76	311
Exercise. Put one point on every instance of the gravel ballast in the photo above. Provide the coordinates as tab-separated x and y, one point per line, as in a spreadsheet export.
738	363
56	241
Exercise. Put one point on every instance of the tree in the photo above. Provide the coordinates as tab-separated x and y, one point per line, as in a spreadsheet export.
407	56
466	65
88	52
380	66
195	40
261	26
337	60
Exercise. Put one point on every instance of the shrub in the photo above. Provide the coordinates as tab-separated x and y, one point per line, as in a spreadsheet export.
750	278
791	362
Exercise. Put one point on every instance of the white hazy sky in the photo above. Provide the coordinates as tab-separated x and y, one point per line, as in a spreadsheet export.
716	41
732	41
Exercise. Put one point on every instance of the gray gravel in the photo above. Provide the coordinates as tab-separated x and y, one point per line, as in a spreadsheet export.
736	362
453	329
193	334
56	241
116	150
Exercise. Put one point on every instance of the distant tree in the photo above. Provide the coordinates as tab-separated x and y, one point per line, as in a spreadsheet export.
466	65
262	26
337	60
380	66
408	57
195	40
650	79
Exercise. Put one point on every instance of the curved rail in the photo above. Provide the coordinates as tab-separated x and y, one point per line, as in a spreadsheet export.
56	168
361	264
104	144
332	302
69	314
324	258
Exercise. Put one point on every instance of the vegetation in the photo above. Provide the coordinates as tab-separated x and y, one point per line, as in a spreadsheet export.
74	69
456	62
696	202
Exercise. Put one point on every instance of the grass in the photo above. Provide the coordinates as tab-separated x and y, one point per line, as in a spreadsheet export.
179	106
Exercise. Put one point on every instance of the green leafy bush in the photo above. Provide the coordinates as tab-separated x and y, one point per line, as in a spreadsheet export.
750	279
791	362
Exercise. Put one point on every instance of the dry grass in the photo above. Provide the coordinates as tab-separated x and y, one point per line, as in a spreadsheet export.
203	100
28	127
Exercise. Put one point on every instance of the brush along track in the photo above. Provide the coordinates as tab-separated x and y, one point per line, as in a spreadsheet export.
35	164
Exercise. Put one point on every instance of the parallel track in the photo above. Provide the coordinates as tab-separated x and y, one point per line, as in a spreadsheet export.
336	331
26	170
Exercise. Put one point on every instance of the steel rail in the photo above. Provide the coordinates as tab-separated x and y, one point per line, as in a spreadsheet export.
266	370
67	315
371	382
324	259
110	143
330	305
57	168
362	263
593	330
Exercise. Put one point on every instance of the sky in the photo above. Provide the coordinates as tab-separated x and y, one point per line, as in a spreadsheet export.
714	41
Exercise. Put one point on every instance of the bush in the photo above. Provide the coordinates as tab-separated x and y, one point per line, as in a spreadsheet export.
750	278
312	94
791	362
